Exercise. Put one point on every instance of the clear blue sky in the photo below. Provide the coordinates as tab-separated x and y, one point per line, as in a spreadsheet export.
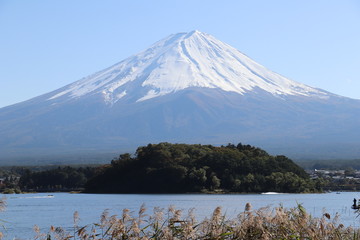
45	45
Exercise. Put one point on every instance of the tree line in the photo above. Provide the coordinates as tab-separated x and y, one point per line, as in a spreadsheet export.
57	179
171	168
181	168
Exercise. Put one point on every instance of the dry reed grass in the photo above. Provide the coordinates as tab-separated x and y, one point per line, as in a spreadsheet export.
265	223
2	208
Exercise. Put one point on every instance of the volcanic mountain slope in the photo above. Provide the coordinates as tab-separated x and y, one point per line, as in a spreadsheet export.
188	87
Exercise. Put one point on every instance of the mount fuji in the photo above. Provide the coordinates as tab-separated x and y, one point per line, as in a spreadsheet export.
188	87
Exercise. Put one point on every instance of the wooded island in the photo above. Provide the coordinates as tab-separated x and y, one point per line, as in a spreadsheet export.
172	168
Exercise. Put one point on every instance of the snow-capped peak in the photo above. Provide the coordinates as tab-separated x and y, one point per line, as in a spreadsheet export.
180	61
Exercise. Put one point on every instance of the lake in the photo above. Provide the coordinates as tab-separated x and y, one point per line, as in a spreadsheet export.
23	211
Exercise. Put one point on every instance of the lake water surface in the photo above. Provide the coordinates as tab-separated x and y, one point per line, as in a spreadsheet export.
23	211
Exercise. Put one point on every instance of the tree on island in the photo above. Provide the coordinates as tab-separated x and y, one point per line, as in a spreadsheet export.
180	168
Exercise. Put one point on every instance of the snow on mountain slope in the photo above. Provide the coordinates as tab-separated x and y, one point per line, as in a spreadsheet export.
190	88
181	61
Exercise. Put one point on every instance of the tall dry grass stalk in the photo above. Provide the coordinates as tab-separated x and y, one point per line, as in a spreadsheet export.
2	208
265	223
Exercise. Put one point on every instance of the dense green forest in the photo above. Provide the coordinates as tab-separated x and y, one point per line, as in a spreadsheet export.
179	168
176	168
66	178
